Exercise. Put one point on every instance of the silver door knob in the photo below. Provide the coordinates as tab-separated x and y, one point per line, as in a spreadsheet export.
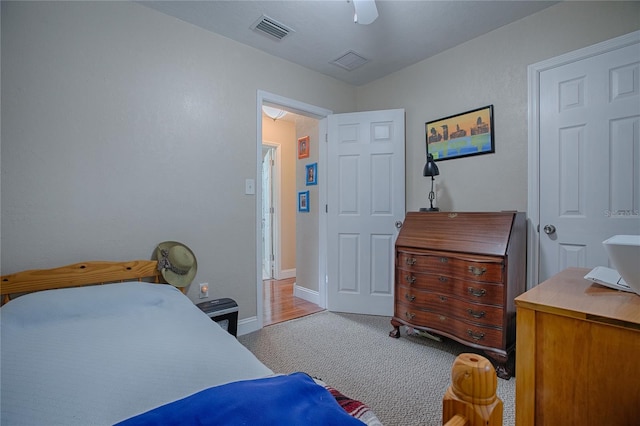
398	224
549	229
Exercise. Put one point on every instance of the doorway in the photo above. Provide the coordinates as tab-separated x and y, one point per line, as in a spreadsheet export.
280	295
280	303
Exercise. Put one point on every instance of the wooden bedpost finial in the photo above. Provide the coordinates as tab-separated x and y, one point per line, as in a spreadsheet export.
472	393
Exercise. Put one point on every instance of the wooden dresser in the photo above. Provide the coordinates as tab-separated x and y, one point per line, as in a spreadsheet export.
578	357
457	275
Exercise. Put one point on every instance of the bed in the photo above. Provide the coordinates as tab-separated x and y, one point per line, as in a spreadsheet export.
133	351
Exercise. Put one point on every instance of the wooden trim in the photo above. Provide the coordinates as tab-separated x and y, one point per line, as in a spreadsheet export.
77	275
525	372
457	420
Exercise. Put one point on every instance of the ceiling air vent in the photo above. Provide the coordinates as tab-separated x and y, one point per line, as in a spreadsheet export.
350	61
271	28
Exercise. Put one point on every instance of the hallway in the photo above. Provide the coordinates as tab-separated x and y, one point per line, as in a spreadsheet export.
280	304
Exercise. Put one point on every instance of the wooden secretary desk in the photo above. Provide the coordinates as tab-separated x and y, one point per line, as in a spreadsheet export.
457	275
578	357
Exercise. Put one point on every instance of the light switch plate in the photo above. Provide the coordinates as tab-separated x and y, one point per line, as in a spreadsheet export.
249	187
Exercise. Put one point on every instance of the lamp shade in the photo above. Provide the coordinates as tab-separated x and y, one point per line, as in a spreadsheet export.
430	168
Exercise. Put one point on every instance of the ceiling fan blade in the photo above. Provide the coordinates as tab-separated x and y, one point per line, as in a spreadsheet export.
366	11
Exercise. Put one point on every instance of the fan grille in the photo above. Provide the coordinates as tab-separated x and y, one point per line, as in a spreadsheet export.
350	61
271	28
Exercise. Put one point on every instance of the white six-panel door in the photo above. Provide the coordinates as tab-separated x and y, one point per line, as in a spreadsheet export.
366	200
589	158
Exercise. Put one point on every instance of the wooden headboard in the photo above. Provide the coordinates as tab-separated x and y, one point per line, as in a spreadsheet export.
78	275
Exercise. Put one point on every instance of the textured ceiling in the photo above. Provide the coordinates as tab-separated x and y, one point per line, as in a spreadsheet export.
405	32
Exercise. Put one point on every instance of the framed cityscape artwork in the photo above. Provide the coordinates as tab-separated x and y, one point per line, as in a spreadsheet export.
461	135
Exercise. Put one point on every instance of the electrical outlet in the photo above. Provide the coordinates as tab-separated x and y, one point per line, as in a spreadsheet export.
204	290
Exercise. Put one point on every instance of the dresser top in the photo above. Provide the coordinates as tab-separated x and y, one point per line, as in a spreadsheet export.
465	232
569	294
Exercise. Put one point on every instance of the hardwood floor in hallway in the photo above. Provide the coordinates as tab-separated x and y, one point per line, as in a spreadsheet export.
281	305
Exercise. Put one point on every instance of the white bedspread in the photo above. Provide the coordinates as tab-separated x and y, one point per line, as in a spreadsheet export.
99	355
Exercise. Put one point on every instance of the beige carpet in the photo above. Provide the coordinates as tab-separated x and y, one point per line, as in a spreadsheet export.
402	380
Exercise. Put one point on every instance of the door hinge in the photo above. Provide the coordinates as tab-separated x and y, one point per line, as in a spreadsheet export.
326	137
326	208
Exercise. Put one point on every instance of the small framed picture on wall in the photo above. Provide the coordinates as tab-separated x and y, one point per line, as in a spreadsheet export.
303	201
303	147
312	174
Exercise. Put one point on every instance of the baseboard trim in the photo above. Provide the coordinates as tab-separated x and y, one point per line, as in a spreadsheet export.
247	325
306	294
287	273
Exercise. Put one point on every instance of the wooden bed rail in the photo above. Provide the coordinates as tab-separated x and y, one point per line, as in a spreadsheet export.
458	420
77	275
471	399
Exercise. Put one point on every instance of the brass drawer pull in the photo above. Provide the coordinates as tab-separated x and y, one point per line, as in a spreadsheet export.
476	292
410	279
476	314
409	315
442	298
411	260
443	279
409	297
475	336
442	318
477	271
444	260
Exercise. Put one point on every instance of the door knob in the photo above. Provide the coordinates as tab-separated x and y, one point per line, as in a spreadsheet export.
549	229
399	224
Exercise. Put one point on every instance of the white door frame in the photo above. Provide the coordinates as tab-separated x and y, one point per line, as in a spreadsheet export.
310	111
275	203
533	189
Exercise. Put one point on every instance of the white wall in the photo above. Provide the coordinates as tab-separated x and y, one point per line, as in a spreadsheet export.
307	238
491	69
123	127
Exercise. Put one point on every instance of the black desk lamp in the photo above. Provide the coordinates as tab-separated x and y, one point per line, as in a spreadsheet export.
430	169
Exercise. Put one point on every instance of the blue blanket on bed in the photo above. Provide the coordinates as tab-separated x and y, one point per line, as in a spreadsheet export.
294	399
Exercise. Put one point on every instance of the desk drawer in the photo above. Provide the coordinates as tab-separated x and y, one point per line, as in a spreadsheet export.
454	327
480	269
451	306
476	291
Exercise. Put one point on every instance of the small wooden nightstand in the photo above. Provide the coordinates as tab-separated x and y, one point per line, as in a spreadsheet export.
578	345
224	312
